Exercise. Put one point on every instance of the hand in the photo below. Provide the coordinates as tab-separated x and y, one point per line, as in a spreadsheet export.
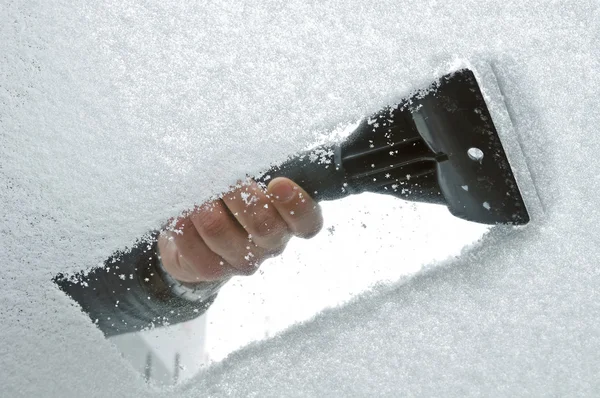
234	235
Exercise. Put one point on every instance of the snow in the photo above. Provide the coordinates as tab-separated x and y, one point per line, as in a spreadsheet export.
116	116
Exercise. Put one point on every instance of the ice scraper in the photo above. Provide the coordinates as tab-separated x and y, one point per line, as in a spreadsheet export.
439	146
443	145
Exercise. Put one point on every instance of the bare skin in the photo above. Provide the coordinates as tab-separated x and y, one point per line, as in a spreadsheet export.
235	234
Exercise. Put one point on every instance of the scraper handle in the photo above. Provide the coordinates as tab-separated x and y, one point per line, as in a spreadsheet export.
318	172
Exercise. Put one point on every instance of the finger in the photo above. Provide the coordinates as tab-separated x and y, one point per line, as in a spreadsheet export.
301	213
253	209
187	258
225	236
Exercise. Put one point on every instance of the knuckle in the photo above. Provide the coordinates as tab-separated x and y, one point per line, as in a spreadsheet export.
275	252
250	269
211	223
247	267
267	225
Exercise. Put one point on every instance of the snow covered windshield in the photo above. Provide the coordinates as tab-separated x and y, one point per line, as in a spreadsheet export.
119	120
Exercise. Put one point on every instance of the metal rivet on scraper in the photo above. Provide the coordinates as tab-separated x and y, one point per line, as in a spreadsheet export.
475	154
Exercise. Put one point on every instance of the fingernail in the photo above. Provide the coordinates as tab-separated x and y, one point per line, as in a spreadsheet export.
283	191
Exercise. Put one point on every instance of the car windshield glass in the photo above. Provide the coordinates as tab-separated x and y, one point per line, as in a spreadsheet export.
267	254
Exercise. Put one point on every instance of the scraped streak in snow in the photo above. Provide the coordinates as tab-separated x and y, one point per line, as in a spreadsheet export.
115	116
367	240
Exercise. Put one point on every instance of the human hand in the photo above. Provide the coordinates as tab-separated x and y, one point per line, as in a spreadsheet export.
235	234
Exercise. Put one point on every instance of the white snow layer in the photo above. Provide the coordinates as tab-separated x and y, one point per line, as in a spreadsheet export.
117	115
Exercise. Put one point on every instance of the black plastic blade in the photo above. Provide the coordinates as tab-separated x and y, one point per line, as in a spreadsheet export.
476	180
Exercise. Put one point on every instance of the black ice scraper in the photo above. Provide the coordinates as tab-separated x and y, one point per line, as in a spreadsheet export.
439	146
442	145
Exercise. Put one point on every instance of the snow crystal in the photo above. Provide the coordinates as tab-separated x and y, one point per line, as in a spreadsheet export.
117	116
